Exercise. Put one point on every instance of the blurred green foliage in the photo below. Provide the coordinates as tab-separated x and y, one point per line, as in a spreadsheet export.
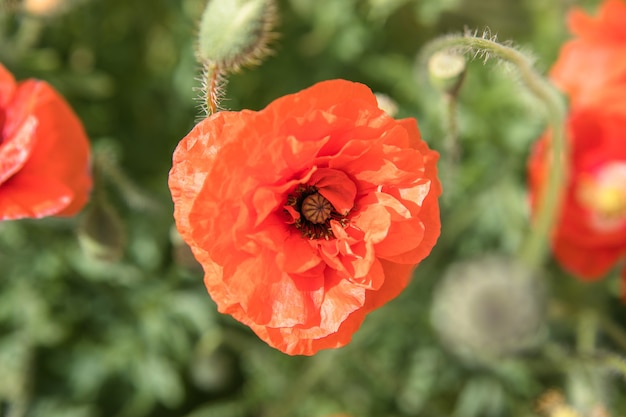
136	334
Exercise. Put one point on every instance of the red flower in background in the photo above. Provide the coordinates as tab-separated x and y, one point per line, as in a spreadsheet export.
44	153
596	58
589	237
307	214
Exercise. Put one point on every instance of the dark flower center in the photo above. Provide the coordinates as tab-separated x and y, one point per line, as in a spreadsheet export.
315	211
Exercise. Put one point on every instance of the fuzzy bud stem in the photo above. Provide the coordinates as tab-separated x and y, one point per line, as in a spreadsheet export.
233	34
534	248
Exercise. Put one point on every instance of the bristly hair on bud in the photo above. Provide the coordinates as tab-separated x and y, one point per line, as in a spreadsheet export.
212	88
233	34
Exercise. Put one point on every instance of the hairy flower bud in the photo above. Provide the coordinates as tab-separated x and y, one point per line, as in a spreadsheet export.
446	71
489	307
234	33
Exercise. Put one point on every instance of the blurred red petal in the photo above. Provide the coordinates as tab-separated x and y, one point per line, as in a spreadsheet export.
33	196
14	151
42	142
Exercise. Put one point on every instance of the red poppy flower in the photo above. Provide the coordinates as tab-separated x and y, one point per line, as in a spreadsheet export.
44	153
307	214
590	236
596	58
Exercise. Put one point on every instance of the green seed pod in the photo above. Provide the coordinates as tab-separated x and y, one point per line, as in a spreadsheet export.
235	33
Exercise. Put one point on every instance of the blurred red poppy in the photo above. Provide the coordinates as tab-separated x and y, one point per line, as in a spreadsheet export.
44	152
590	235
596	58
307	214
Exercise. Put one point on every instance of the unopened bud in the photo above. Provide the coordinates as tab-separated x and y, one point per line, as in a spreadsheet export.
488	308
446	71
235	33
100	233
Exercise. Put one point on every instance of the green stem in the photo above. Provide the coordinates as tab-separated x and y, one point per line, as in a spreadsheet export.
534	248
587	332
450	146
213	84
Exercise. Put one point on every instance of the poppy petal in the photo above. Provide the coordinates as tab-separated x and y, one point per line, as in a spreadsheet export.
240	181
33	196
15	151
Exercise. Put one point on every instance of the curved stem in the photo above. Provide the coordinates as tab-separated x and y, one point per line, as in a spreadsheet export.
534	248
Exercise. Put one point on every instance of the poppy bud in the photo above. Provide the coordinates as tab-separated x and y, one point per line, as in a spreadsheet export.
234	33
100	232
488	308
446	71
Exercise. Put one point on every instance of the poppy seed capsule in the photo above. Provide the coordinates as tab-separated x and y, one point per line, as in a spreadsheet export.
316	209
